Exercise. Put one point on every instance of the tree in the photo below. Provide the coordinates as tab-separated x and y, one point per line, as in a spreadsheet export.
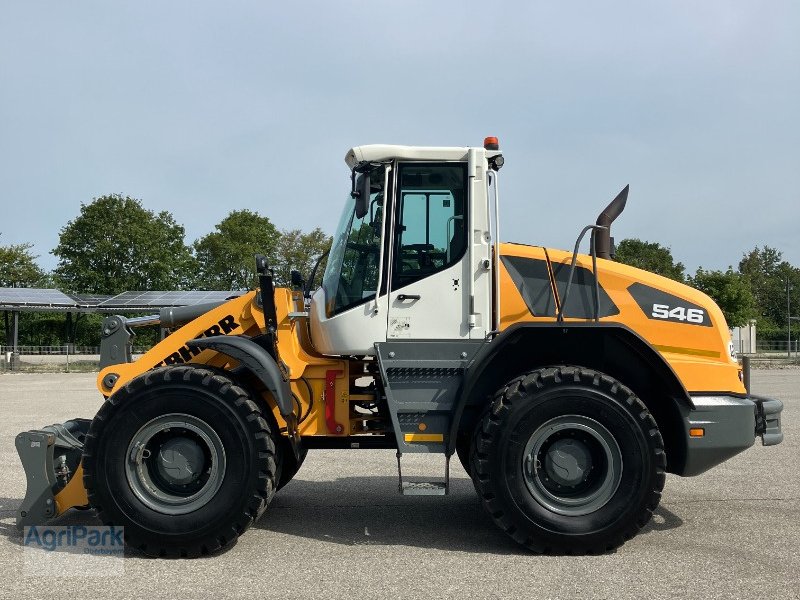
731	291
115	244
225	256
650	256
299	251
18	268
767	273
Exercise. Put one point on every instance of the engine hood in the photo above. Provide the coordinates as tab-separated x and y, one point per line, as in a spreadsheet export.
685	325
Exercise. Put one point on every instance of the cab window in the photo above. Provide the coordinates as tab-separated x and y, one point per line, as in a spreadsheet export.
431	221
351	275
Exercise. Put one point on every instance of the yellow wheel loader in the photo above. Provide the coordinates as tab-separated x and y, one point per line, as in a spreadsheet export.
567	384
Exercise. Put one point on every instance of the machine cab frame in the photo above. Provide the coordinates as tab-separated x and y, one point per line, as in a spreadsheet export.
417	263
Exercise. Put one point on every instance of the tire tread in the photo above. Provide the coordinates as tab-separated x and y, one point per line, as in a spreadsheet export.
258	429
492	424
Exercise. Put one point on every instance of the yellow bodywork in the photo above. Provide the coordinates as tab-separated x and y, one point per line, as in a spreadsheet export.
700	356
295	351
301	361
72	494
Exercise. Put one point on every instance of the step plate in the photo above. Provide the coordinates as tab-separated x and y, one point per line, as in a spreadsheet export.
424	488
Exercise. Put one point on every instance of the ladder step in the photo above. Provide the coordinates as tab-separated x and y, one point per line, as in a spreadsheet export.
424	488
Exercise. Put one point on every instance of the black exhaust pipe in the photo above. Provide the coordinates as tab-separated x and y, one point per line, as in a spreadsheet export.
603	242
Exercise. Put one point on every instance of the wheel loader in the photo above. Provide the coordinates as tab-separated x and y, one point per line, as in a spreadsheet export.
566	384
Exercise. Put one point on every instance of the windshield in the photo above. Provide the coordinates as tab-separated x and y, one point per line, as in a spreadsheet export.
351	276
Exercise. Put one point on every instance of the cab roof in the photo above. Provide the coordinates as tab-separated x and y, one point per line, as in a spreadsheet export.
385	152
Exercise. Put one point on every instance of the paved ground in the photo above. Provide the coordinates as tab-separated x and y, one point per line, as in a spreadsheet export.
339	530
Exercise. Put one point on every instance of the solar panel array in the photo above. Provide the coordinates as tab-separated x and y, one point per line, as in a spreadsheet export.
129	300
90	300
32	299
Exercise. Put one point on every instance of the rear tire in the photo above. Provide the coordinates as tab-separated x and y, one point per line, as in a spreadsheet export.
568	460
183	459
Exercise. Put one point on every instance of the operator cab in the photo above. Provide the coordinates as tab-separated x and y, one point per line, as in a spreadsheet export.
411	255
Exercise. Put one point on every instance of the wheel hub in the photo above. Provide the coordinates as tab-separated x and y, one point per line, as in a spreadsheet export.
176	463
568	461
572	465
180	460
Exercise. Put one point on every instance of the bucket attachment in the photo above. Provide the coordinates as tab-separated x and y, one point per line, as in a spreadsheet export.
51	457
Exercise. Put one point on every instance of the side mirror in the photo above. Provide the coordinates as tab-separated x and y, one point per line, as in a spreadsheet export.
361	194
262	266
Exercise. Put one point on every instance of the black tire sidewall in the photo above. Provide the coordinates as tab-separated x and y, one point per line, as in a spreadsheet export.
287	464
638	458
463	443
112	492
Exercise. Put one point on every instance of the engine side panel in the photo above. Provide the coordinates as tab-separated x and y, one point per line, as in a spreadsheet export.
684	325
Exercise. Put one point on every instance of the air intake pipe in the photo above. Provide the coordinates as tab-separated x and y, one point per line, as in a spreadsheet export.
603	242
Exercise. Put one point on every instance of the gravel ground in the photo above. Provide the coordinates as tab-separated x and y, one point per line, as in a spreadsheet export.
340	530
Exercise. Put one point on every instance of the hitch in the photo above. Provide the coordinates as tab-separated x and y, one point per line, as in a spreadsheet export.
51	459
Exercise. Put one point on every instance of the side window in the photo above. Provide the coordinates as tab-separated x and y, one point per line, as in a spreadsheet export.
359	278
351	275
431	220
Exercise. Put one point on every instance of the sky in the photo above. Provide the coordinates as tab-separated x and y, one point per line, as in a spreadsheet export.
200	108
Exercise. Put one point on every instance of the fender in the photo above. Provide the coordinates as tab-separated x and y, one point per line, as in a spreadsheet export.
256	360
611	348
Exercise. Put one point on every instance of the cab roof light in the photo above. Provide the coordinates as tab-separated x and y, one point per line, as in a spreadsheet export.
491	143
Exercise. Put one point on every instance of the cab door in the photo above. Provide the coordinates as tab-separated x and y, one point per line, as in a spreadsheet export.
428	271
348	314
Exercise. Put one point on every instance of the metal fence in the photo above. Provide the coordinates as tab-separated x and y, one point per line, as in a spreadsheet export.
55	350
778	347
53	358
70	357
68	349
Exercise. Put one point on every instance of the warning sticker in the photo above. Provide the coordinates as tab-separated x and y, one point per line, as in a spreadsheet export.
400	327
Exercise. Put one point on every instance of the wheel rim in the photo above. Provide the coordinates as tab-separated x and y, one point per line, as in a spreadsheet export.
175	463
572	465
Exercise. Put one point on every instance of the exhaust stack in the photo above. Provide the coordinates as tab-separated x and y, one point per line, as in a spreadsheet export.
603	242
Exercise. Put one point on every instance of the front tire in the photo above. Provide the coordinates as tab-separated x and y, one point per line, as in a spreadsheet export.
182	458
568	460
288	463
463	444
